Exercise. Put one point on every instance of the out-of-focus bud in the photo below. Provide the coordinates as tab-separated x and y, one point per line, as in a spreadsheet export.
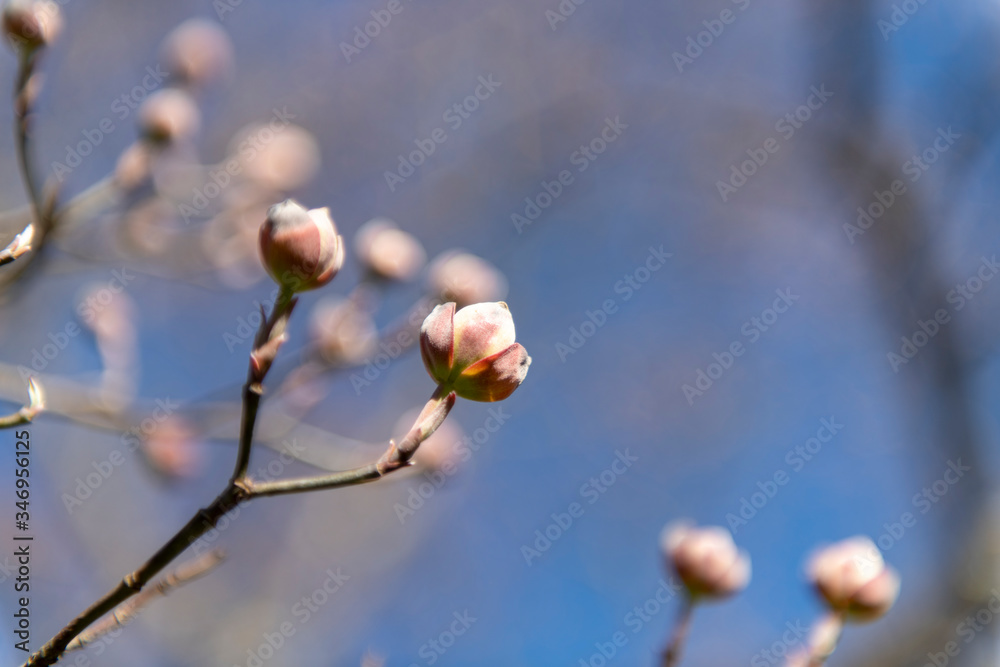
197	52
853	579
466	279
172	449
168	115
706	560
343	332
472	352
301	249
31	24
283	157
388	251
440	452
133	166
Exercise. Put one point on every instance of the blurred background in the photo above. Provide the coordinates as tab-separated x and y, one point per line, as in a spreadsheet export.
810	182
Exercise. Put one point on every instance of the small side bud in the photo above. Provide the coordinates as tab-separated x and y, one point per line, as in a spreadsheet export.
853	579
300	249
388	251
198	52
168	116
706	560
31	24
466	279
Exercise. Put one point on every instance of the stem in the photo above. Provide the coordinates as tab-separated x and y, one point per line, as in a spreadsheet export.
394	458
675	647
241	488
824	637
270	334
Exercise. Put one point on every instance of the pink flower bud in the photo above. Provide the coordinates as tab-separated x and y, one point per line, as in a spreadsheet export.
32	24
283	159
472	352
198	52
852	578
706	560
168	115
388	251
466	279
301	249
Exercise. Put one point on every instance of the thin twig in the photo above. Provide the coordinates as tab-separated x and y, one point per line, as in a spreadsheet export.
126	612
36	403
675	647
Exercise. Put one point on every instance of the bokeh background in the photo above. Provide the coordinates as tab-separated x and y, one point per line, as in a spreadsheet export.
897	74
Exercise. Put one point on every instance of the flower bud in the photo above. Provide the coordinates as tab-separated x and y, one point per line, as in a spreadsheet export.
852	577
168	115
388	251
466	279
706	560
301	249
284	160
344	333
32	24
472	352
198	52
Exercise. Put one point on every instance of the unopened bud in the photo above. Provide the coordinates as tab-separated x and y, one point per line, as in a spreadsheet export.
279	158
301	249
388	251
198	52
473	352
168	115
31	24
706	560
466	279
853	578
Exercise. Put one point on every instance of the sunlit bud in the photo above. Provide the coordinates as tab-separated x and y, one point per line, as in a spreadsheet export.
343	332
388	251
277	157
172	449
473	351
198	52
706	560
301	249
168	115
852	577
31	24
466	279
